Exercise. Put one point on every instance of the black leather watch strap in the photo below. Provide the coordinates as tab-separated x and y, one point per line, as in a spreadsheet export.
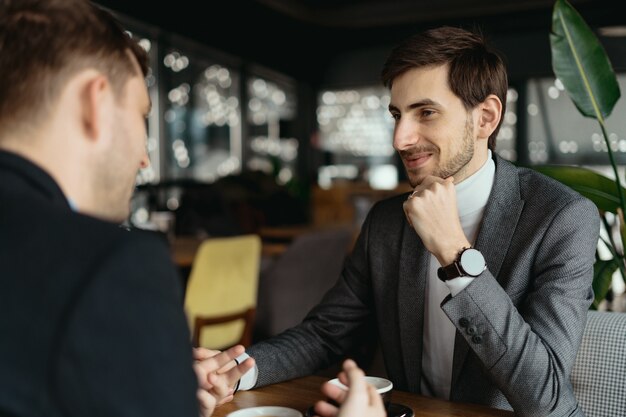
449	272
469	262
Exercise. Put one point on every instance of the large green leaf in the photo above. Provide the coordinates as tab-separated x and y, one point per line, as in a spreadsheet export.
598	188
602	277
579	61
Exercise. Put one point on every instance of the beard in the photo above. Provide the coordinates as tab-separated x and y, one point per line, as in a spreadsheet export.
115	191
114	183
455	164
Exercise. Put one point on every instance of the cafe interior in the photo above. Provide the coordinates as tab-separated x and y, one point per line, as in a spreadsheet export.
270	137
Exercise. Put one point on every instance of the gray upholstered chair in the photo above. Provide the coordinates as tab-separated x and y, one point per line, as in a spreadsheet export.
599	373
297	280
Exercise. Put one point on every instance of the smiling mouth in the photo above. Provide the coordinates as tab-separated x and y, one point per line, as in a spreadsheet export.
417	161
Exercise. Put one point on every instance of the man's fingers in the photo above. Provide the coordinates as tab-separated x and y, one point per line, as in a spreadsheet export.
356	380
206	403
375	398
334	392
223	360
229	355
200	353
202	375
225	400
244	366
325	409
219	386
355	375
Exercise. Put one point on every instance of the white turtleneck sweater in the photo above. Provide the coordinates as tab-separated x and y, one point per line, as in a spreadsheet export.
438	339
471	195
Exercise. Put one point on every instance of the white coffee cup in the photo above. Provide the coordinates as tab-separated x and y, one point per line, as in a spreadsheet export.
268	411
383	387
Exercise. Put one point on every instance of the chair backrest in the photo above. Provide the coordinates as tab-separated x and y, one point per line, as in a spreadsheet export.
299	278
222	286
599	373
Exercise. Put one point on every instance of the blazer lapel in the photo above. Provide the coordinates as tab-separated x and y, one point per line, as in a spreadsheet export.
494	237
414	259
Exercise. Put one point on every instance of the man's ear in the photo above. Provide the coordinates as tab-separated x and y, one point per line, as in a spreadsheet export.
95	99
489	116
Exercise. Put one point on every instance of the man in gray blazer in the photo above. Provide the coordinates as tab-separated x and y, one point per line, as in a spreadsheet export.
479	281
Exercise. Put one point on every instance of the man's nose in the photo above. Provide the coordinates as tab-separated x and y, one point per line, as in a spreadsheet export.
144	162
405	135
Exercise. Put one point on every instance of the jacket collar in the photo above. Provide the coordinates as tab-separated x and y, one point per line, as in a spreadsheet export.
33	177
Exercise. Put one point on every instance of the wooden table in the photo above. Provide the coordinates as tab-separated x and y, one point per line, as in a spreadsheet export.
284	233
303	392
184	248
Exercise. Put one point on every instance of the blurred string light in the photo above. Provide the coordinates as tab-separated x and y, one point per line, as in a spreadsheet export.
181	154
206	96
575	139
269	104
179	95
176	61
217	101
356	122
507	136
269	101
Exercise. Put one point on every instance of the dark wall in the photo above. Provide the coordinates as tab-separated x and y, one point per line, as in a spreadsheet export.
527	54
325	56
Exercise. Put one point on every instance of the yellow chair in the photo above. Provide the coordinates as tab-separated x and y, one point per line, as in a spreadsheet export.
221	294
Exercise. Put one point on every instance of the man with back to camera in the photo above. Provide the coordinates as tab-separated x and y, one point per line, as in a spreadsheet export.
90	314
478	281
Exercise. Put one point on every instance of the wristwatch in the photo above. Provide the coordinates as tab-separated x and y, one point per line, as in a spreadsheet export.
470	262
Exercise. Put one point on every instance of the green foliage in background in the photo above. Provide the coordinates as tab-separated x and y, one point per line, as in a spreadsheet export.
580	62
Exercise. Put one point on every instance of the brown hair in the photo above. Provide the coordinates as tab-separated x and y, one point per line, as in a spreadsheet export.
475	70
45	42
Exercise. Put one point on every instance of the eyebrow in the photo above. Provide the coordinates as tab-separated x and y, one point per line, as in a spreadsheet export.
422	103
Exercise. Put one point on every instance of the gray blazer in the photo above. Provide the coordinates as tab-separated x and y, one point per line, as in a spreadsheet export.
519	324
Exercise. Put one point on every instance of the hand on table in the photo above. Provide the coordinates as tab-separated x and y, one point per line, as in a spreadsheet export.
217	374
360	400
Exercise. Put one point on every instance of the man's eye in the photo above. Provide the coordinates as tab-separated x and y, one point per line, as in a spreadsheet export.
427	113
395	116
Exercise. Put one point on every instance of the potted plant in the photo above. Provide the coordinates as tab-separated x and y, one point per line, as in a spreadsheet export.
581	64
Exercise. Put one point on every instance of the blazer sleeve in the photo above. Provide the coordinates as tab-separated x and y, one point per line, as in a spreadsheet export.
332	329
125	350
528	352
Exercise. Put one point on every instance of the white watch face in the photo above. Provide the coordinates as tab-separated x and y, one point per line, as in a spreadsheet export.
472	262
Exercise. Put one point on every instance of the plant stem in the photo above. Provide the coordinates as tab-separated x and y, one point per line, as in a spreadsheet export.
614	166
612	249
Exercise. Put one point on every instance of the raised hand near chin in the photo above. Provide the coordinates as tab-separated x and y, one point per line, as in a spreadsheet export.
432	211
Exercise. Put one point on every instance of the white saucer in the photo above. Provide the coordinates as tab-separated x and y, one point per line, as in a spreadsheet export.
266	411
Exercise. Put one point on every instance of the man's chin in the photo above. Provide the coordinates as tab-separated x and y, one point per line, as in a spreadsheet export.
415	178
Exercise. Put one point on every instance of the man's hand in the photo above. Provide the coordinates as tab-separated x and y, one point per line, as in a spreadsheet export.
361	399
432	211
217	374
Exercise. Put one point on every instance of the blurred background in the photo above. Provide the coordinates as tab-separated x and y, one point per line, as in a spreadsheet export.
269	118
280	98
270	113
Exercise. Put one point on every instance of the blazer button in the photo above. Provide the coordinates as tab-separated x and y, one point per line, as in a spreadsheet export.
463	322
471	330
478	339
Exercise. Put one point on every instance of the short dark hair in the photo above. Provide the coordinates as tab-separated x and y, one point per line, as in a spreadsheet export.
475	69
44	42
